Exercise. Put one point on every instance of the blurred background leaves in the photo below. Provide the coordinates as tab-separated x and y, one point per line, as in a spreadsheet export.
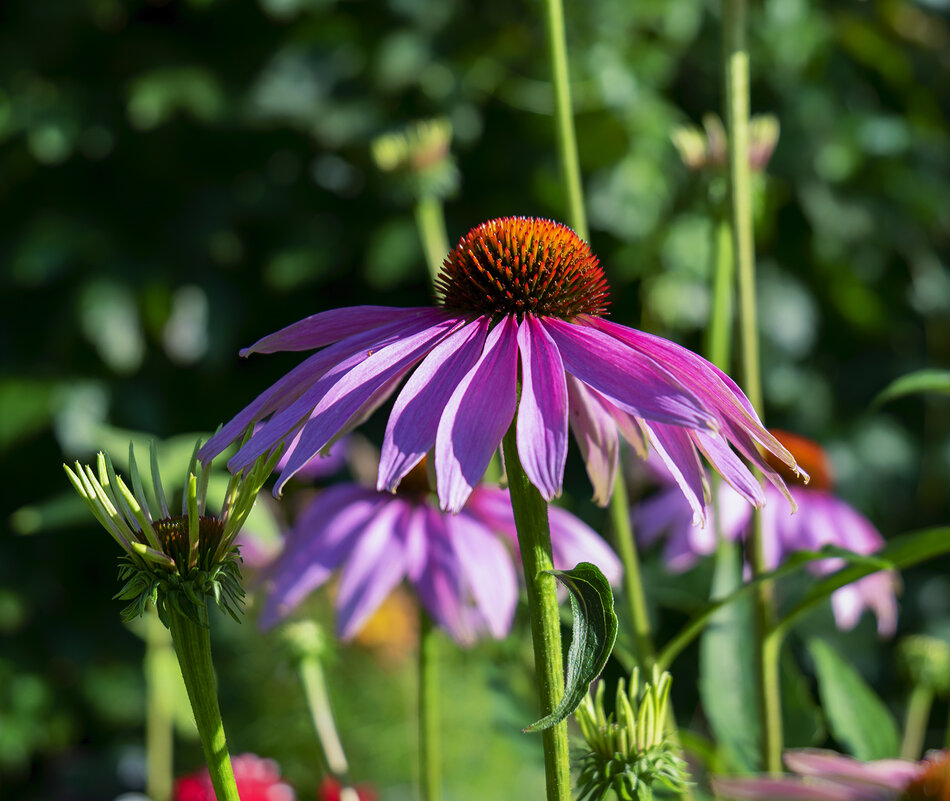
180	177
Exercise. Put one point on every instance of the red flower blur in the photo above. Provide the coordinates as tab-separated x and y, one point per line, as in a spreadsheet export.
330	790
257	779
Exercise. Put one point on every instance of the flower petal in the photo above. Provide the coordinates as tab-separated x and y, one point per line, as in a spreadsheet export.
542	411
730	467
893	774
414	420
373	569
319	542
634	382
488	571
440	584
782	788
596	435
327	327
673	445
476	417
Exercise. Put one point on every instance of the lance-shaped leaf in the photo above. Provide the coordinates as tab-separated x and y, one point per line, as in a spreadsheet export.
912	383
593	635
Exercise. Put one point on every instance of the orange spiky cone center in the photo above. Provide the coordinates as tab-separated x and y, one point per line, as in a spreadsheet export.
523	265
933	782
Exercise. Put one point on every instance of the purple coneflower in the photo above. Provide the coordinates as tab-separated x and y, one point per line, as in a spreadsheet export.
827	776
821	519
460	567
515	291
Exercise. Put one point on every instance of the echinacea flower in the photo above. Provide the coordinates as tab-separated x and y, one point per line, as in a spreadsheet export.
458	564
257	779
822	519
706	148
176	561
515	292
332	790
827	776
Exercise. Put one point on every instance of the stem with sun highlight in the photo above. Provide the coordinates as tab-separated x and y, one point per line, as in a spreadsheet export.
736	64
430	220
534	540
193	646
159	728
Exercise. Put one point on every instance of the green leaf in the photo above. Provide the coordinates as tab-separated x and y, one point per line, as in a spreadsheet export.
594	632
858	718
912	383
727	668
802	721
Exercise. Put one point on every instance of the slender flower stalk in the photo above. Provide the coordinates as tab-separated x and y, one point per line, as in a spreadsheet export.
430	738
926	662
736	59
159	725
534	540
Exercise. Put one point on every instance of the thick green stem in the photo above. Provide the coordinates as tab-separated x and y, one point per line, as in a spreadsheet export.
430	758
159	728
318	699
534	540
632	581
564	119
740	203
193	646
915	724
430	221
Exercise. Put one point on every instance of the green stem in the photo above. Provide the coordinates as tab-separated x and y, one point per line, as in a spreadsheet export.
632	580
534	540
430	760
430	221
915	724
159	730
193	646
318	699
564	119
719	333
740	196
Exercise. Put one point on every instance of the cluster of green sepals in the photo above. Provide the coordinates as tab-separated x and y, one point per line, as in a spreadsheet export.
628	750
171	560
418	158
926	660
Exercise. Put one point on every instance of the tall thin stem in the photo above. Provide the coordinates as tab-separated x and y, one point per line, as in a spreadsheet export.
159	729
193	646
915	724
534	540
430	757
430	220
318	699
564	118
736	60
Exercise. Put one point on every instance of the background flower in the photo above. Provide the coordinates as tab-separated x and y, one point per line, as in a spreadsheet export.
257	780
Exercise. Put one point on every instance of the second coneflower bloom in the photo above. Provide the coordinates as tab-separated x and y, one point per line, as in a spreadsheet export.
519	325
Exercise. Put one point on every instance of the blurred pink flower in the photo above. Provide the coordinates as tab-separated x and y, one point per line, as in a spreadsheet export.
257	779
821	519
828	776
459	565
330	790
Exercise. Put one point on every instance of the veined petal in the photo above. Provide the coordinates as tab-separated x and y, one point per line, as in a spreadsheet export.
327	327
730	467
414	420
374	568
673	445
596	435
627	378
440	584
488	570
319	542
476	417
302	382
542	412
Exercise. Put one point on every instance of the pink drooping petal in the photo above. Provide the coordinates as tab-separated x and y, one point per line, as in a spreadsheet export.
325	328
476	417
310	379
417	541
573	541
763	788
664	512
894	774
373	569
440	584
701	376
674	447
634	382
542	412
488	572
596	435
366	383
319	542
730	467
414	420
